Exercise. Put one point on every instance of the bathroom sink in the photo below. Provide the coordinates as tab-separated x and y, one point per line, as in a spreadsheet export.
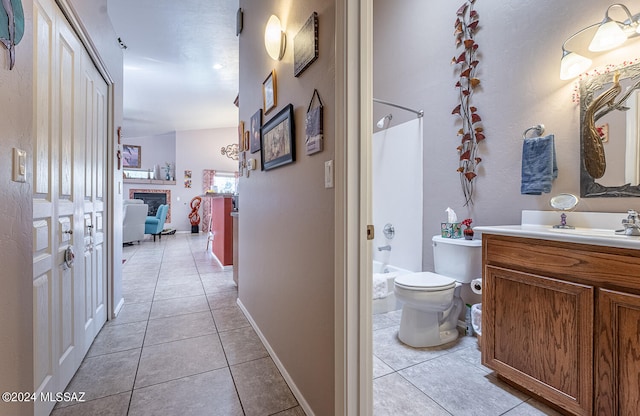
590	228
589	232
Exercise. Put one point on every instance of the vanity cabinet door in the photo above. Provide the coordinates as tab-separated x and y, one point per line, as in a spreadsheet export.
537	333
617	364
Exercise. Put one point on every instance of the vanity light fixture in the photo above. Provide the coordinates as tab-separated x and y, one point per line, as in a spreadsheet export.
609	35
572	64
275	39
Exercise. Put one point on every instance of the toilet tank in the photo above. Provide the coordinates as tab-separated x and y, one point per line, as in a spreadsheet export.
457	258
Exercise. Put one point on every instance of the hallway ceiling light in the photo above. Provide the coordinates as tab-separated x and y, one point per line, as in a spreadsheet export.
609	34
275	40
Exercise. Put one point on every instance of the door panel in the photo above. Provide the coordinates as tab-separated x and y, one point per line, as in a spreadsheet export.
71	123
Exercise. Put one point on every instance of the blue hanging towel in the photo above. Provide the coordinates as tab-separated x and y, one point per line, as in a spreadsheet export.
539	166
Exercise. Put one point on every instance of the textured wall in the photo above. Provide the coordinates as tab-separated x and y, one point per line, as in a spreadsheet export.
16	353
286	214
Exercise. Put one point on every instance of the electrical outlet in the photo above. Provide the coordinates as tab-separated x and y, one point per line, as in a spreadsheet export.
328	174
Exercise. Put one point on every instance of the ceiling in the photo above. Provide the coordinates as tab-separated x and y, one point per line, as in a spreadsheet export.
180	64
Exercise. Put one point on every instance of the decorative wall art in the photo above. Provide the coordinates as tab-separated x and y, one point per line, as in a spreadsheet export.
230	151
269	92
278	140
131	156
187	183
241	136
119	152
313	128
242	162
466	64
247	138
11	27
254	129
305	45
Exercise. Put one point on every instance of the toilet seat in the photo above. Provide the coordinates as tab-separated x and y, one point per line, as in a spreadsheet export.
425	282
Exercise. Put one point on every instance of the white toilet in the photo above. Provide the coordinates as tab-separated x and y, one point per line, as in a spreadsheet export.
432	301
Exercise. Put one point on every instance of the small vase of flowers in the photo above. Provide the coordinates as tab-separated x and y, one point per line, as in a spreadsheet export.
468	231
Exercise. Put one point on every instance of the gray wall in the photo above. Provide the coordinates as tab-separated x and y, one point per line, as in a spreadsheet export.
519	52
16	130
16	310
286	214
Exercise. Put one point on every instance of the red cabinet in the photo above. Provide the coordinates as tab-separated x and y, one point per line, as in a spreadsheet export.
222	227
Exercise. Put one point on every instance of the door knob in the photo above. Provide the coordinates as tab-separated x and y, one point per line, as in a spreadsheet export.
69	257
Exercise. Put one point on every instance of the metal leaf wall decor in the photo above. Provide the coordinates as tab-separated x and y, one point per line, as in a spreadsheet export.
231	151
466	65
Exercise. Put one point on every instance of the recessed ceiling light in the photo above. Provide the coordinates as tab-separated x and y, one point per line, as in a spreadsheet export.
217	66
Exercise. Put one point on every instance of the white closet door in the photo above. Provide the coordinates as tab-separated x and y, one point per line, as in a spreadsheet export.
68	202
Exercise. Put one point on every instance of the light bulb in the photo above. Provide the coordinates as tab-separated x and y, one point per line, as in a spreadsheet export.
573	65
608	36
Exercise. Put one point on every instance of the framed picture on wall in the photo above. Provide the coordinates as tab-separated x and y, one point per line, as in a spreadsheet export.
278	140
131	156
256	125
241	136
269	92
305	45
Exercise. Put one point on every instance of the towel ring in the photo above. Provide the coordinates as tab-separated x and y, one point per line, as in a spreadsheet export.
539	129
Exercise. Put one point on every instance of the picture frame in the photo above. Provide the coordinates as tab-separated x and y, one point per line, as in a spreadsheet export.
246	140
255	131
278	140
131	156
241	136
305	45
269	92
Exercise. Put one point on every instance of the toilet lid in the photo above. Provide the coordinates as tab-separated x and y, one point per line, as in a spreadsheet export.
425	281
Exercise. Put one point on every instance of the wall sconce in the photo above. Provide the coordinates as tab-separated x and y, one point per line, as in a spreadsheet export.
609	34
275	40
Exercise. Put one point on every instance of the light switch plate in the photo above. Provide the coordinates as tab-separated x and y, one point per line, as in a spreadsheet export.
328	174
19	165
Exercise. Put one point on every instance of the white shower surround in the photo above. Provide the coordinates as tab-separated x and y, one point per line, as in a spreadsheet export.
397	193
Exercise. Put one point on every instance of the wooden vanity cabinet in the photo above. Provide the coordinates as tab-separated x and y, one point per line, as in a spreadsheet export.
618	360
562	321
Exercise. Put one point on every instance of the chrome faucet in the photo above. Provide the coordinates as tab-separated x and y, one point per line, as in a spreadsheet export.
385	248
631	224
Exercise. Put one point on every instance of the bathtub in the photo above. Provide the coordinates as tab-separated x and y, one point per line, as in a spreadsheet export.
385	300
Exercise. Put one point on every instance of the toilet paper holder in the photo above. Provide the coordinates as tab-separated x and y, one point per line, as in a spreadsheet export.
476	286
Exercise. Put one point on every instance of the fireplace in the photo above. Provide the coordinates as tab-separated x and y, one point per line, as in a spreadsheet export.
154	198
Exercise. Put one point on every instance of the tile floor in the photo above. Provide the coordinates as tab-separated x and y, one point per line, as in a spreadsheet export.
180	346
441	381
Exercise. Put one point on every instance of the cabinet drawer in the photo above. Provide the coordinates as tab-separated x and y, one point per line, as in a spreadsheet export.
595	265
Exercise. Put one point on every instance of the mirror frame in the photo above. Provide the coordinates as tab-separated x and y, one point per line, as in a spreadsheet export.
588	186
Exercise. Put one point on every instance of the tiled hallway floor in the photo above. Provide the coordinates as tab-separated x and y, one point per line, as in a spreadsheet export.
180	345
441	381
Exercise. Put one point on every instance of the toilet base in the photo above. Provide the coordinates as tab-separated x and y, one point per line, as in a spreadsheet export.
422	329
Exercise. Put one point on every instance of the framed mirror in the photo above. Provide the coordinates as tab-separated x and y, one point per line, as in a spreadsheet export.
618	126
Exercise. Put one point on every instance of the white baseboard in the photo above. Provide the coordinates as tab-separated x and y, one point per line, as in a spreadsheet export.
287	378
118	308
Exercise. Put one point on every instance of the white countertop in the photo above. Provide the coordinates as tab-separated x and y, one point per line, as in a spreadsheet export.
591	228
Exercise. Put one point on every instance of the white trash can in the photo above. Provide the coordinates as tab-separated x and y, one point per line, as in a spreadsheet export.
476	319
